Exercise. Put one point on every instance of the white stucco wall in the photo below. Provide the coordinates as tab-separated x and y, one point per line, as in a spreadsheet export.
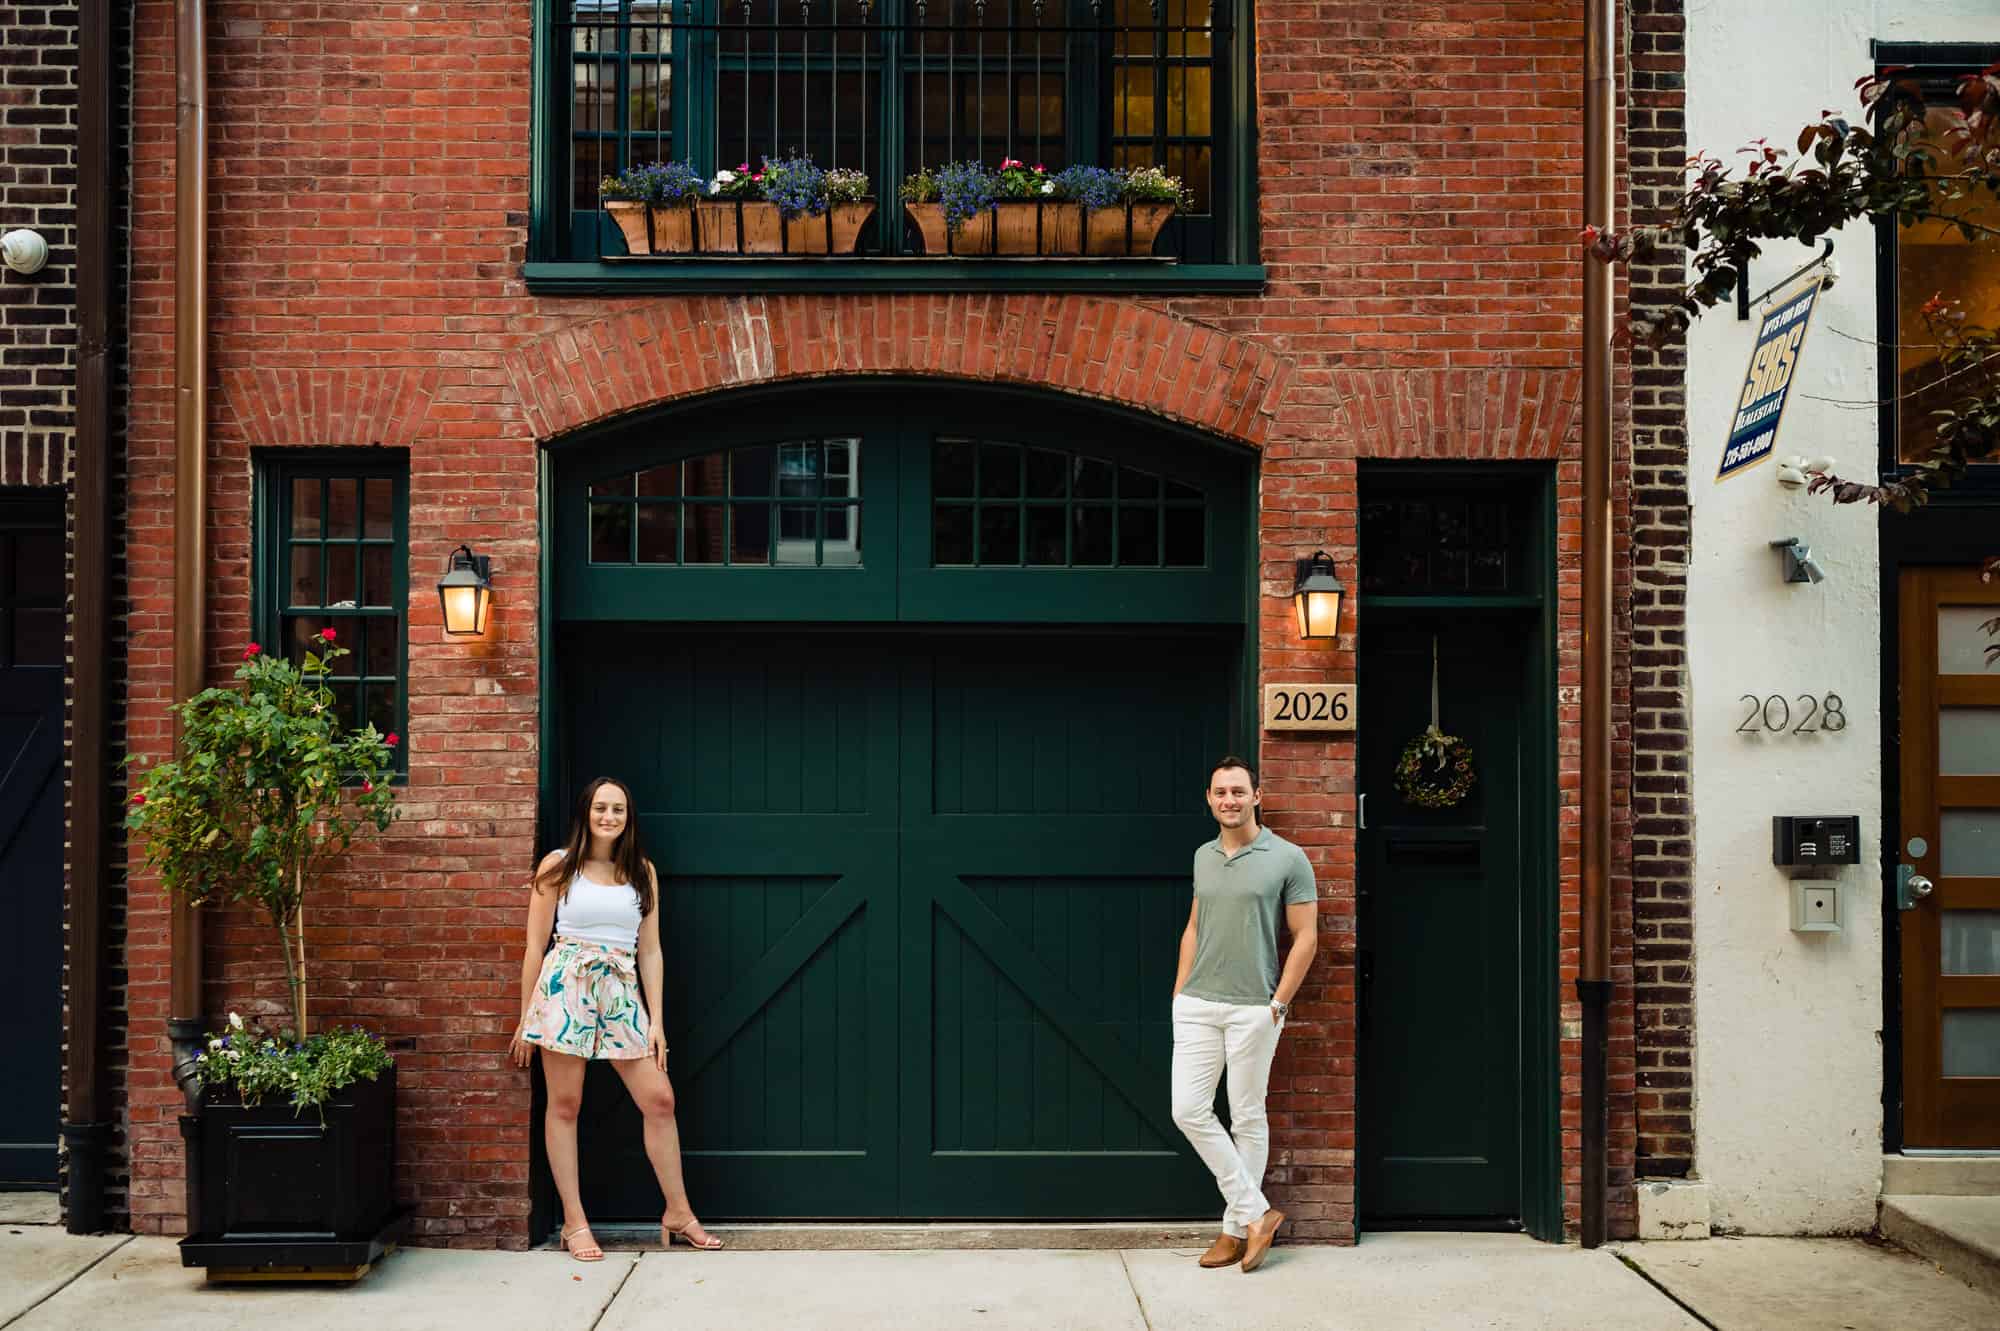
1788	1056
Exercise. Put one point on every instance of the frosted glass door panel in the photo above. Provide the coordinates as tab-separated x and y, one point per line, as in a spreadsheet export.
1969	843
1972	1042
1962	643
1972	942
1969	741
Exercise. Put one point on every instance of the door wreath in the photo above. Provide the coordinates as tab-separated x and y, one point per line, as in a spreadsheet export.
1435	770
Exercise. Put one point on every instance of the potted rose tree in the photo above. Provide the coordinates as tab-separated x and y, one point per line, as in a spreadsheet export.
290	1155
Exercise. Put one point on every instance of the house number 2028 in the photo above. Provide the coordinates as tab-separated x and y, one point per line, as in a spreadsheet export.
1774	714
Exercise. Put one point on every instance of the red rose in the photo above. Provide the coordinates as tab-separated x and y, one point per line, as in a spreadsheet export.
390	739
251	651
138	799
327	634
367	787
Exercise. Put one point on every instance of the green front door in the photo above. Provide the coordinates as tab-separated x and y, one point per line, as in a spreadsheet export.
923	894
1441	959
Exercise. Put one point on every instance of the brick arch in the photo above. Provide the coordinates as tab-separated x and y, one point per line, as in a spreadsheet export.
1091	347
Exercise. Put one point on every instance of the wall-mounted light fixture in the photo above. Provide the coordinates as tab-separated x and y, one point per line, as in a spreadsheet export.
1798	560
24	251
1316	595
466	592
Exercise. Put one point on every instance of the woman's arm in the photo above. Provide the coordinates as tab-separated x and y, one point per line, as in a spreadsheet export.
651	972
541	922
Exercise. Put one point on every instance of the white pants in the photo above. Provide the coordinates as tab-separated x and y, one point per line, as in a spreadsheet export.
1209	1037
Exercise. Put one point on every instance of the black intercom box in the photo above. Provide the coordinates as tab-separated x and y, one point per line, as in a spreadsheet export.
1808	841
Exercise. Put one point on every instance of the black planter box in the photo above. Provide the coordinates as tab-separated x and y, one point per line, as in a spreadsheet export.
273	1187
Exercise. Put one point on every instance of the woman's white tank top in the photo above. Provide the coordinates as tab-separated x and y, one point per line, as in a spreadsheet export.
603	913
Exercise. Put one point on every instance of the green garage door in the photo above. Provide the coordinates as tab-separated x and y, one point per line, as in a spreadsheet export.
922	905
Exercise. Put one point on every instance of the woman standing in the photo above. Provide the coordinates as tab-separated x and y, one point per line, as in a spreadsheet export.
600	896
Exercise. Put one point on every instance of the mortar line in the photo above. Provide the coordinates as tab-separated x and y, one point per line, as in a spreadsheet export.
91	1266
607	1303
1646	1276
1133	1285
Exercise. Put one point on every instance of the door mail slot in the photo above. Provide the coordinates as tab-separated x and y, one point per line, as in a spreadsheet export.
1428	854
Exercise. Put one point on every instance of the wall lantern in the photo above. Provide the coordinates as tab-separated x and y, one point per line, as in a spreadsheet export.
1316	596
466	591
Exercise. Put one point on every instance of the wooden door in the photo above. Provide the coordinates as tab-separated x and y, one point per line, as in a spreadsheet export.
1441	973
1051	809
764	769
31	834
1949	836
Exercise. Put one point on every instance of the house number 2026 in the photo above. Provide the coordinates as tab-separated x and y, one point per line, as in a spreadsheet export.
1774	714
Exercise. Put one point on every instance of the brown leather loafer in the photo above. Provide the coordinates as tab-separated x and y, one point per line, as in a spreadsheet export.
1258	1244
1226	1249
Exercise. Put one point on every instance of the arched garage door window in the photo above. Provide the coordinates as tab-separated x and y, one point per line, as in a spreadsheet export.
915	505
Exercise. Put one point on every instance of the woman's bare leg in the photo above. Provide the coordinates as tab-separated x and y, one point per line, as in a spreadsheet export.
653	1092
564	1075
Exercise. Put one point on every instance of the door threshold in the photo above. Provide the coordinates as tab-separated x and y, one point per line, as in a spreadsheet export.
881	1236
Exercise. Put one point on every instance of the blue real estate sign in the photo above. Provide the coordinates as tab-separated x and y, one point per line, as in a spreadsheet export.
1754	431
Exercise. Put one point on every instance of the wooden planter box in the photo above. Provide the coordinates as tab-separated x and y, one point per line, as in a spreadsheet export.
661	228
1027	227
743	226
273	1190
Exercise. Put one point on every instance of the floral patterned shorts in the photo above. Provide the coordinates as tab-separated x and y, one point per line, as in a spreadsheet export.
587	1003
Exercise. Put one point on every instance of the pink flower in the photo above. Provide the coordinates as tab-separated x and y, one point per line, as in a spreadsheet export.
1040	169
1009	162
251	651
138	799
367	787
327	634
391	740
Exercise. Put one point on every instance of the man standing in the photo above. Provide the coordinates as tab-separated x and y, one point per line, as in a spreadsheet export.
1230	1001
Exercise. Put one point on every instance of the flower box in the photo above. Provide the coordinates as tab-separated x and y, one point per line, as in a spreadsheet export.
1025	227
755	226
271	1187
659	228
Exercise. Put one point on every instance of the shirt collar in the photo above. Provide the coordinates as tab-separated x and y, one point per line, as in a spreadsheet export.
1262	841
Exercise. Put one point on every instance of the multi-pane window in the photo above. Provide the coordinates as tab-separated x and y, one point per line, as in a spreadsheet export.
1441	545
787	504
336	546
31	595
890	87
1000	504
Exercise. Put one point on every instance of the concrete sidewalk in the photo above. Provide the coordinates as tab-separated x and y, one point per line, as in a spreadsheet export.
50	1281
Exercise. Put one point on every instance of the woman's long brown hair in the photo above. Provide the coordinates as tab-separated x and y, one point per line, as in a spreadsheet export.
626	856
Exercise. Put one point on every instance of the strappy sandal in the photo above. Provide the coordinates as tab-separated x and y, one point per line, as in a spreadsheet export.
707	1243
594	1253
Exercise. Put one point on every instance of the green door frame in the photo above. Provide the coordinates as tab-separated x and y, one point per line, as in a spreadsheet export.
1231	580
1541	1062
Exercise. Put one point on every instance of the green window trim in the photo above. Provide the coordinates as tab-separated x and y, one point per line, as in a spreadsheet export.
641	120
332	550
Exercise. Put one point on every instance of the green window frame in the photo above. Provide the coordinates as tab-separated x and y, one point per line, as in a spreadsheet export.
333	551
889	86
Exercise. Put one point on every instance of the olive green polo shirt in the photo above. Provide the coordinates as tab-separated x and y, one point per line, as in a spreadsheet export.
1242	899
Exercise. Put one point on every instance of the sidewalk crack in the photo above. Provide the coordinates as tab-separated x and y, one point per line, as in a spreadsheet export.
607	1303
1644	1275
92	1266
1130	1284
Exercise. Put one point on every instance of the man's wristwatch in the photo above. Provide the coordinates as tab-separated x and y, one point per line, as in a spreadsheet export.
1282	1009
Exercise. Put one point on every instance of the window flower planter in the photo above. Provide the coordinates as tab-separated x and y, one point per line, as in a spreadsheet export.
659	228
752	226
1023	227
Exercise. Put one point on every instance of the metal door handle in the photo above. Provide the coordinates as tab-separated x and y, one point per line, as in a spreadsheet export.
1911	887
1363	812
1920	886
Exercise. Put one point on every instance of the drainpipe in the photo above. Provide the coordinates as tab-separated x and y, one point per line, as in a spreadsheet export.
184	1024
85	1128
1593	981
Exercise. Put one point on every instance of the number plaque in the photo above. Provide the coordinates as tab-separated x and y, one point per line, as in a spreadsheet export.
1308	707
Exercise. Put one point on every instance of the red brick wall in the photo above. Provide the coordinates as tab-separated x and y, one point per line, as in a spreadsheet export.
1419	187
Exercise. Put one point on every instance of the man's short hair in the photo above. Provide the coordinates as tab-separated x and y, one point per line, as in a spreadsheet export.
1231	760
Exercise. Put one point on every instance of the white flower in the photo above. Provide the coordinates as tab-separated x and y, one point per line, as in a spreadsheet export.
215	1043
1048	187
234	1054
235	1021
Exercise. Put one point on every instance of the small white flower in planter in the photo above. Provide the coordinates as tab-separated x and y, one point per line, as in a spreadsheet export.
235	1021
721	178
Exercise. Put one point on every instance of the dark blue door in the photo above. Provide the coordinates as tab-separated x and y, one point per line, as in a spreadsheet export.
31	833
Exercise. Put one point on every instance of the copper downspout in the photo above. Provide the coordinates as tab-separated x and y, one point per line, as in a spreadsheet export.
86	1129
184	1023
1593	983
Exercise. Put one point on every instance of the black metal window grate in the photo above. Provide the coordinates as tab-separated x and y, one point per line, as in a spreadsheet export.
794	504
1000	504
338	550
891	87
